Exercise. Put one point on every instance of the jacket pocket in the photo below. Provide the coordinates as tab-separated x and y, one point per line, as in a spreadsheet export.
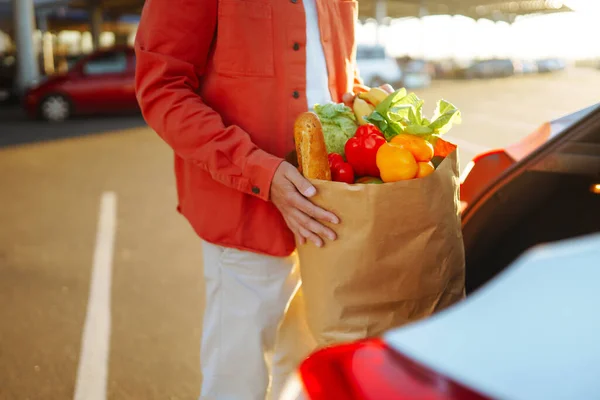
244	44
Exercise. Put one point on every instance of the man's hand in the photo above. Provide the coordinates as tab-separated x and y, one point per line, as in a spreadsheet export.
289	192
348	98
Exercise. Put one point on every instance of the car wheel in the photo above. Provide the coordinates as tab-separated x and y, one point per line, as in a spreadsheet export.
55	108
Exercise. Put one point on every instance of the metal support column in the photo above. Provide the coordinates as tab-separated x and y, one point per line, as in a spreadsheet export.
96	21
27	62
380	16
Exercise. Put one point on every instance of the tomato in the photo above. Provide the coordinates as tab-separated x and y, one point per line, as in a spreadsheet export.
395	163
424	169
420	148
335	159
341	171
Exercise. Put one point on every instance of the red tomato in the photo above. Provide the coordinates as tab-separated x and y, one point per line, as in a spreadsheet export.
343	173
335	159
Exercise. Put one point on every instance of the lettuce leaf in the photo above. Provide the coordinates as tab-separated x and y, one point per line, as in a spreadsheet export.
402	112
416	129
445	115
397	112
383	107
378	120
339	125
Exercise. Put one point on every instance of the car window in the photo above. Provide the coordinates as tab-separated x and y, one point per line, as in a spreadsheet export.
370	53
110	63
72	61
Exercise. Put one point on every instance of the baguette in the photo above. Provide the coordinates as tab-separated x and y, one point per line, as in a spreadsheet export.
310	147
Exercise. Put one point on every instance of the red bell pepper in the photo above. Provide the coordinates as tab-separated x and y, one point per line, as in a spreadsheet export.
341	171
361	150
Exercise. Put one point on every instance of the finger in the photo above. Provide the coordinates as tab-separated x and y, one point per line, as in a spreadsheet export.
295	228
312	237
291	225
348	99
300	239
300	182
314	226
316	212
388	88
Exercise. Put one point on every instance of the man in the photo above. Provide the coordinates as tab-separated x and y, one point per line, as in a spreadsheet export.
222	81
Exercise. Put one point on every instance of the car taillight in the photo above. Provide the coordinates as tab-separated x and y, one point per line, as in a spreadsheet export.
369	370
482	171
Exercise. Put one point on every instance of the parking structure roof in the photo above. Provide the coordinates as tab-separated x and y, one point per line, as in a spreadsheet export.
497	10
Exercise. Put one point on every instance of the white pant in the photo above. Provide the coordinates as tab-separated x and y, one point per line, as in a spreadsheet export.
246	297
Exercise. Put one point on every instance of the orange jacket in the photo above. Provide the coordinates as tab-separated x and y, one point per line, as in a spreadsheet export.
222	81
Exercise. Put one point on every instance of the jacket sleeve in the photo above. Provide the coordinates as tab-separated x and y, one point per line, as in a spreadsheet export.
172	45
359	84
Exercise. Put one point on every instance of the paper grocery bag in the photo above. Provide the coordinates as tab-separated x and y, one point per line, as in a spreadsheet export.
399	256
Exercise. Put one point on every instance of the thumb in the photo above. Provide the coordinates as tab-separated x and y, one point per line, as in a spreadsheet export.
301	183
388	88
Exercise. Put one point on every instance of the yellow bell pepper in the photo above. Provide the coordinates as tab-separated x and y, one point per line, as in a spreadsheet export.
395	163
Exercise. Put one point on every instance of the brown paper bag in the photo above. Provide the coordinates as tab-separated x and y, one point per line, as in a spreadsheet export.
399	256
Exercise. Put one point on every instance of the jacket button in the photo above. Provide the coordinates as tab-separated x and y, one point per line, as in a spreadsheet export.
294	1
296	94
296	46
255	190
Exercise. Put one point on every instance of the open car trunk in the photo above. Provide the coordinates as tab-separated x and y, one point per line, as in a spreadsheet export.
549	196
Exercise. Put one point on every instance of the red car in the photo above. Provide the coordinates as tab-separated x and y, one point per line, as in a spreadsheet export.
103	82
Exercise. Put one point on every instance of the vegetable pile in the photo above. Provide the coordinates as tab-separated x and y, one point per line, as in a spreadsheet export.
385	137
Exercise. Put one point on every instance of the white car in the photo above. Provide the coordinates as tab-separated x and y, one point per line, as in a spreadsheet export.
376	67
532	333
416	74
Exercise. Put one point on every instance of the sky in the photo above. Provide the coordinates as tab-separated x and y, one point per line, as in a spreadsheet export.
569	35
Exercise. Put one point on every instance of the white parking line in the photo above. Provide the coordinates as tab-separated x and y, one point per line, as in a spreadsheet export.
92	372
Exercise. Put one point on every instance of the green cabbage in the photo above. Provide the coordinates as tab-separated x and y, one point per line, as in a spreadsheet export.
339	125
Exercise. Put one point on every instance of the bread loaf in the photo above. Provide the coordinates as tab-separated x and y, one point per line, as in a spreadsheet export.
310	147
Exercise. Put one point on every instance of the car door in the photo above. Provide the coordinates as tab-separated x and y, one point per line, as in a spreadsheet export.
101	83
129	98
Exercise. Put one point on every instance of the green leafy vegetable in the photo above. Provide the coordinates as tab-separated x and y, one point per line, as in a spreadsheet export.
339	125
383	107
402	112
445	115
416	129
